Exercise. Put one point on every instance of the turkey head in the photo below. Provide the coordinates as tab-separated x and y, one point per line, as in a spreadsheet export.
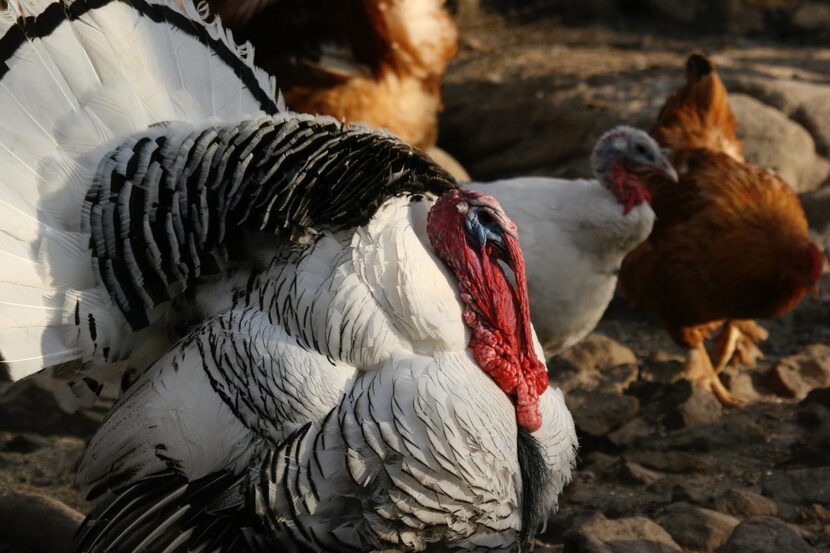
471	233
623	158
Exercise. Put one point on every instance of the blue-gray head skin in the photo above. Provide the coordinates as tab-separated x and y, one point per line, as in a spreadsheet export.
623	158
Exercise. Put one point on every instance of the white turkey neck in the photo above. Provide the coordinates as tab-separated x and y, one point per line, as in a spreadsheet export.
186	192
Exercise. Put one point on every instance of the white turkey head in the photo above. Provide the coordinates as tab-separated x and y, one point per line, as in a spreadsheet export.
622	158
470	232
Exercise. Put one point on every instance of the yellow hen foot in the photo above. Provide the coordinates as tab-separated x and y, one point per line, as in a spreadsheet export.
735	344
699	370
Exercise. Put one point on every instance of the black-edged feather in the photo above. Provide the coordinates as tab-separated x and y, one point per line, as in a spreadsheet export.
54	14
164	208
534	473
165	513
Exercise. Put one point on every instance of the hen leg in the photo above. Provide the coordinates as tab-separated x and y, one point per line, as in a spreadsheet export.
699	369
736	344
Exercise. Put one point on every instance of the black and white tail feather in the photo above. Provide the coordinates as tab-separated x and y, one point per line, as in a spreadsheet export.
128	127
76	78
165	512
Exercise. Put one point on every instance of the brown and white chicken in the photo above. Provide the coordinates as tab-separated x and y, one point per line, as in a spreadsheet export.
379	62
730	242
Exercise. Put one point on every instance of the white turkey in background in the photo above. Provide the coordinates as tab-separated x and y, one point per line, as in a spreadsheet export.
575	233
357	371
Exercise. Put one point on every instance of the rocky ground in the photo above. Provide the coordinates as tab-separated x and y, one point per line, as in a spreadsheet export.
662	466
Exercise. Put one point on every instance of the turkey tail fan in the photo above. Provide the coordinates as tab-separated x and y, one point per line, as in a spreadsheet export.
76	78
164	512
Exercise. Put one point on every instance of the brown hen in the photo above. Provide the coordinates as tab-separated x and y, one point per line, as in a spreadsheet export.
730	242
379	62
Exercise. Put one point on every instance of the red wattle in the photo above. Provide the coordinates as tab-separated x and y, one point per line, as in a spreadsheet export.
629	190
497	314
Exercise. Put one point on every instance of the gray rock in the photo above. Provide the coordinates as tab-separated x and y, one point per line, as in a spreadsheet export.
633	473
670	461
811	16
799	486
663	368
630	433
700	407
597	363
799	374
814	114
37	523
807	103
765	535
817	208
697	528
598	413
624	535
774	141
745	504
505	129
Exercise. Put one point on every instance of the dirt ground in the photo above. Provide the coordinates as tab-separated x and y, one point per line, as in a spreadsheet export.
662	466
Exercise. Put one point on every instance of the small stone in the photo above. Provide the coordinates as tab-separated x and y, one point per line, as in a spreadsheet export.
697	528
799	374
663	369
765	535
633	473
800	486
32	513
630	433
819	396
597	363
813	513
598	413
745	504
700	407
670	461
624	535
817	209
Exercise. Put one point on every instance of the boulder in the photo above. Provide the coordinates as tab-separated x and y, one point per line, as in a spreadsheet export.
624	535
636	474
597	363
799	486
797	375
700	407
745	504
765	535
37	523
696	528
774	141
598	413
631	433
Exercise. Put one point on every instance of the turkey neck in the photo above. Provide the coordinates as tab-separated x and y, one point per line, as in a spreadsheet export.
417	452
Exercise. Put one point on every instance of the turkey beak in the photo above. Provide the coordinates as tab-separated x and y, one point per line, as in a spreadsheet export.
667	170
499	243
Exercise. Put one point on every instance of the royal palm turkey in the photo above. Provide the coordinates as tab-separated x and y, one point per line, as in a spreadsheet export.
337	338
